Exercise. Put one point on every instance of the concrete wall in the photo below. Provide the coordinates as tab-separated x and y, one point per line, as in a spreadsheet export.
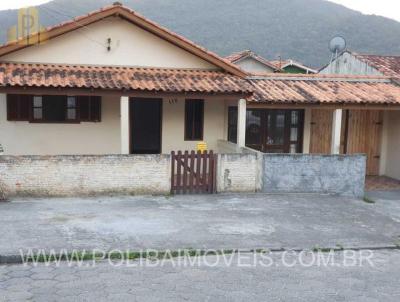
84	175
344	175
391	143
131	46
24	138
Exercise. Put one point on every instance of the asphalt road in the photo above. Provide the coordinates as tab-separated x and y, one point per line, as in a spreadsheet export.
285	277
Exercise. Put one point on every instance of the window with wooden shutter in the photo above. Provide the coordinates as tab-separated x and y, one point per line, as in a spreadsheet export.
18	107
90	108
53	108
194	120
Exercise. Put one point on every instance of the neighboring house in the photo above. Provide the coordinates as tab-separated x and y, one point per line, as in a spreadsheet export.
252	63
291	66
351	63
136	87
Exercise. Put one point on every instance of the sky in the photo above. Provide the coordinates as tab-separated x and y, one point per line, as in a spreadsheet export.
387	8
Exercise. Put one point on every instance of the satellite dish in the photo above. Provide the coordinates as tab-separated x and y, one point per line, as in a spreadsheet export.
337	45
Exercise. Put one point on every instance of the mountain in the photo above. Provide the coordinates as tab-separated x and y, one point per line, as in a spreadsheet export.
298	29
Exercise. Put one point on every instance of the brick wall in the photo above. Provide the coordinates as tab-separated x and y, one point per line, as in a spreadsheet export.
84	175
239	173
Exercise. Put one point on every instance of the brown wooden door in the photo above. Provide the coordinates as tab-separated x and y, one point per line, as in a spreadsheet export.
321	131
364	136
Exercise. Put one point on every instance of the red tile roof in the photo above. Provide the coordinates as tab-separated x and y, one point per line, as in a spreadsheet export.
120	78
319	89
387	65
126	13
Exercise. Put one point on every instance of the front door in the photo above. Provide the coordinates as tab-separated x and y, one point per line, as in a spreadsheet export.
145	124
275	131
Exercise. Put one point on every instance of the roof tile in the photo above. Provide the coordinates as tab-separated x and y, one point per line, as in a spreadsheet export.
129	78
325	90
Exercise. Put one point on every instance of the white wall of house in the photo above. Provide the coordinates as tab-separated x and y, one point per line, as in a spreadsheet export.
24	138
130	46
349	64
174	120
392	145
253	66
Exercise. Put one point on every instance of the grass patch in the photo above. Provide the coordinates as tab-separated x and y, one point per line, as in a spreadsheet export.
366	199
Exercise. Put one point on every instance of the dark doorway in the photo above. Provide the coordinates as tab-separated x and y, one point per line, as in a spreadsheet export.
145	120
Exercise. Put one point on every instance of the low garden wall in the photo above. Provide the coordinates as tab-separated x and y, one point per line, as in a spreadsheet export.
248	171
303	173
84	175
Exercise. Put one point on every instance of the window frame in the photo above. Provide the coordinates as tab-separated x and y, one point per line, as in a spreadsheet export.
94	107
190	135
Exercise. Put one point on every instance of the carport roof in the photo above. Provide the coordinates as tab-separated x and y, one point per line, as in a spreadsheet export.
321	89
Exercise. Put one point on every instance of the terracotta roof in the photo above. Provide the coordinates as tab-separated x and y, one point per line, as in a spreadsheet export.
120	78
317	89
124	12
387	65
237	56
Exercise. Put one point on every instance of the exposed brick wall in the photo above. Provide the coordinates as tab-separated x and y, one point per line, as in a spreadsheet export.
84	175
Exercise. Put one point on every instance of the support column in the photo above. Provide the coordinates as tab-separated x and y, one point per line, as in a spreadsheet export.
125	141
241	125
336	131
307	131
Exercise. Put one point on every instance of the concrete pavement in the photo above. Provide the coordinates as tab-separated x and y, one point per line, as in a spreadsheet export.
201	222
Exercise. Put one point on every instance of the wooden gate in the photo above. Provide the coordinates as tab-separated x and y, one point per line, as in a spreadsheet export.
193	173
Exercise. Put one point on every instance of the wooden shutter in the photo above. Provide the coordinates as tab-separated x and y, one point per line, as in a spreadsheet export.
95	109
84	108
18	107
90	108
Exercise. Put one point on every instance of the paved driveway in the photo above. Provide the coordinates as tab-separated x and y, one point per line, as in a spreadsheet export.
208	222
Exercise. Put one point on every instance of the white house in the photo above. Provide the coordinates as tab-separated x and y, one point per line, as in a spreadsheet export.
135	87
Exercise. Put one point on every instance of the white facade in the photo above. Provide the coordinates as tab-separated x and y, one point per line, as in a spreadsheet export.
130	46
107	136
